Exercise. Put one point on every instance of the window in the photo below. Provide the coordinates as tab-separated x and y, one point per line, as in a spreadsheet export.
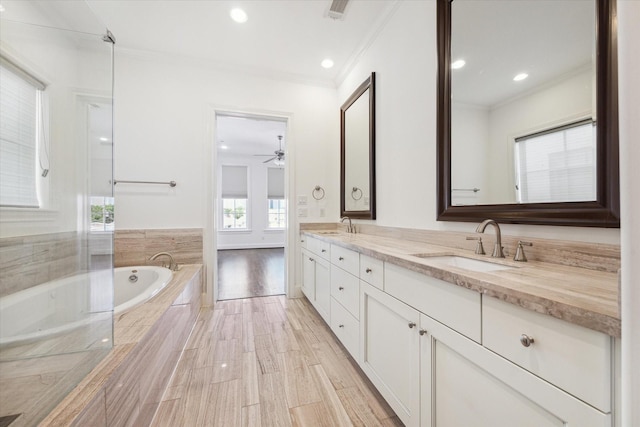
20	114
102	214
275	196
557	165
234	197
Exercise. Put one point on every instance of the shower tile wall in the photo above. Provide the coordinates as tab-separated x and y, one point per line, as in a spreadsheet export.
135	247
31	260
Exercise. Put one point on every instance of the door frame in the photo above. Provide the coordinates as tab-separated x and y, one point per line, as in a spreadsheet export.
210	197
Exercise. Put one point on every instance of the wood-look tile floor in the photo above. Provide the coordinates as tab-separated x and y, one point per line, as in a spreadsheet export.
245	273
268	361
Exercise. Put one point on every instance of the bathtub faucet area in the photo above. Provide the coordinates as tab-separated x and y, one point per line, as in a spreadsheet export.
173	266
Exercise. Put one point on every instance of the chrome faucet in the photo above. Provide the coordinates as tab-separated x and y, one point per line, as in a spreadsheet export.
173	266
497	249
350	228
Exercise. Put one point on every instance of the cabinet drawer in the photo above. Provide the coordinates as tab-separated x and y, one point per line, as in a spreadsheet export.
372	271
455	306
346	259
574	358
318	247
345	288
346	327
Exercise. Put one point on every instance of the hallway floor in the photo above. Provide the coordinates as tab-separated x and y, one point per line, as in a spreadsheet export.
246	273
268	361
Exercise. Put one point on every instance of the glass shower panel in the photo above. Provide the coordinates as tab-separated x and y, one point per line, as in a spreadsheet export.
56	258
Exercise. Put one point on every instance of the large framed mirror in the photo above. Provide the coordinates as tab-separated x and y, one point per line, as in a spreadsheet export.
527	112
357	152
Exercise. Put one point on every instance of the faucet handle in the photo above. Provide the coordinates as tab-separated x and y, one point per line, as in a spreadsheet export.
479	246
520	256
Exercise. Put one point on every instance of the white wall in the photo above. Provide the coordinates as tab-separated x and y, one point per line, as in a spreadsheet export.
629	70
163	109
258	235
404	58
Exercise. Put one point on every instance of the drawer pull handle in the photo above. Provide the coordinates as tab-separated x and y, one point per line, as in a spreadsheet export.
526	340
368	270
340	326
311	259
341	288
324	250
412	325
340	259
423	331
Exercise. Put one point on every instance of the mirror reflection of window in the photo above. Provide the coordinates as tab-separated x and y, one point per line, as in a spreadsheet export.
557	165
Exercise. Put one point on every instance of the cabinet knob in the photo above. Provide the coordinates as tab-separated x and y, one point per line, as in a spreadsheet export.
340	259
368	270
324	250
340	326
341	288
412	325
526	340
422	331
311	259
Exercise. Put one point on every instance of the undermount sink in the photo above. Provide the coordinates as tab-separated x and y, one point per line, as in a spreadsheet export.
465	263
327	232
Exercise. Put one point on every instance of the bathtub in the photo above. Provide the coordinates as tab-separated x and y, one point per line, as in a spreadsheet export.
85	301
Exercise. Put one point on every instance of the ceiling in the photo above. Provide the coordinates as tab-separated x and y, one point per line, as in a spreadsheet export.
248	136
285	38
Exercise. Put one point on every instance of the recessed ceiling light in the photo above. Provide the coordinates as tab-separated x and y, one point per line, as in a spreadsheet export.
223	147
327	63
520	77
104	139
458	64
238	15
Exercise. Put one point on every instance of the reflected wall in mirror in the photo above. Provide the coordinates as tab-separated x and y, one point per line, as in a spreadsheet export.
527	120
357	142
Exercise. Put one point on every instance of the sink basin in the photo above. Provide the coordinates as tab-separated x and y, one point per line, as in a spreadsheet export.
327	232
465	263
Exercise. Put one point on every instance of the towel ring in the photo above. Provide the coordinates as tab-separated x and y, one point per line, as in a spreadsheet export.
354	192
316	190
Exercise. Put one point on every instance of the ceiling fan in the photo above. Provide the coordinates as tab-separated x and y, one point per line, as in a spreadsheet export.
278	159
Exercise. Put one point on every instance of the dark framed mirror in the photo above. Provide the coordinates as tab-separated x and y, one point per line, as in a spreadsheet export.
496	124
357	152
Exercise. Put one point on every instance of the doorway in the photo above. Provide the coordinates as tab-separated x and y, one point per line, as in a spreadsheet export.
251	206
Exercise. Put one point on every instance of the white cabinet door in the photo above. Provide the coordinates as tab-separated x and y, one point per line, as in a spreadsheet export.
464	384
389	347
323	289
308	275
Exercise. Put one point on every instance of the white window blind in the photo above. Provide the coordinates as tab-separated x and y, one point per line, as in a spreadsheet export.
557	165
275	183
19	106
234	182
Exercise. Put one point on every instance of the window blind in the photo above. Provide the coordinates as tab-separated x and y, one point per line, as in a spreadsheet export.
234	182
19	100
557	165
275	183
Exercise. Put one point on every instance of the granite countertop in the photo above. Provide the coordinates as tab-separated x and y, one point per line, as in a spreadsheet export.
581	296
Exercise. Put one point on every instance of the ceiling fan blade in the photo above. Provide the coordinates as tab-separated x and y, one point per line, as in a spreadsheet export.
273	158
263	155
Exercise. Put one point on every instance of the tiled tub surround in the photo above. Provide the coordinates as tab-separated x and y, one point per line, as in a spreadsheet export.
585	295
135	247
126	387
27	261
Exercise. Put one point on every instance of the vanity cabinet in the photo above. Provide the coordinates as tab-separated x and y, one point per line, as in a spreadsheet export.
390	351
316	282
466	384
345	298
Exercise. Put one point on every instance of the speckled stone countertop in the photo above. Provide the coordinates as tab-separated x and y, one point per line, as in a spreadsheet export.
578	295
